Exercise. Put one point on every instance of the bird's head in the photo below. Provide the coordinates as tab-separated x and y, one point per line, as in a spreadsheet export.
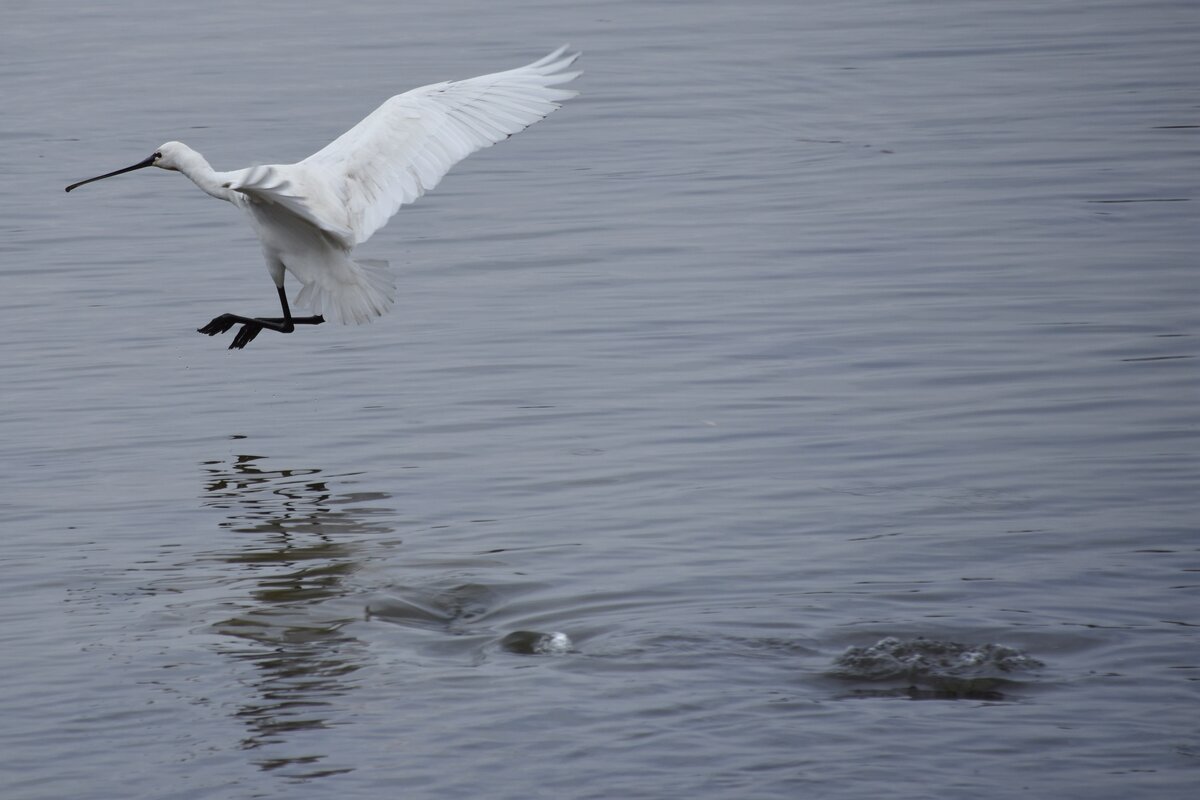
167	156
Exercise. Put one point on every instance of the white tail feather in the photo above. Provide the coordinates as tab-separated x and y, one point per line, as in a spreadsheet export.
357	294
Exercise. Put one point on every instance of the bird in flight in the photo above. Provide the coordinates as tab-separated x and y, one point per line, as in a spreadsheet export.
311	214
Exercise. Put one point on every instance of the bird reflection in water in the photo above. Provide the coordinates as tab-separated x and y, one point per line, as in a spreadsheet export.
304	539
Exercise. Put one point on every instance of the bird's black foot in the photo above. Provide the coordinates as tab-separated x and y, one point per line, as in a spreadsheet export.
252	326
250	329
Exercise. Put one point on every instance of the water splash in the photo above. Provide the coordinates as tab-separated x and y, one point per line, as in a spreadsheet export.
935	668
535	643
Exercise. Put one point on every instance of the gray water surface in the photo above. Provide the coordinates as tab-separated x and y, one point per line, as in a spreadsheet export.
825	374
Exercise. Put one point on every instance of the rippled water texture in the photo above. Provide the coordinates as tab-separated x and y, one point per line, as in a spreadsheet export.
819	359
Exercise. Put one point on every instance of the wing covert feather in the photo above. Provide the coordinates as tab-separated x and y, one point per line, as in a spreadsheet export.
404	148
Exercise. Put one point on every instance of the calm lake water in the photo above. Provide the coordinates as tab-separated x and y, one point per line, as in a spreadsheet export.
809	409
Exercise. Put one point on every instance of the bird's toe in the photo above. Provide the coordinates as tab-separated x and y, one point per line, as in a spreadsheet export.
245	336
218	325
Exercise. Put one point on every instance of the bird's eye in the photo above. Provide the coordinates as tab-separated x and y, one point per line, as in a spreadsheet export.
157	156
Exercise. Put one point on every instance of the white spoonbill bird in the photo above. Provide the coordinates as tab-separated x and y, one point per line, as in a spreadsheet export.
311	214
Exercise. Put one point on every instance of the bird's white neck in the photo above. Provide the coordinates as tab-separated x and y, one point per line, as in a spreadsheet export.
197	169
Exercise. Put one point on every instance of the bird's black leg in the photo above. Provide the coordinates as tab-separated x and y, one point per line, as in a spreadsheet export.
251	326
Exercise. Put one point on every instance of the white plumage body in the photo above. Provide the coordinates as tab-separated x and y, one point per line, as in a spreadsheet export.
311	214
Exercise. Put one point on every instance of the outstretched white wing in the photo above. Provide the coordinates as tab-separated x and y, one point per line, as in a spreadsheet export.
401	150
